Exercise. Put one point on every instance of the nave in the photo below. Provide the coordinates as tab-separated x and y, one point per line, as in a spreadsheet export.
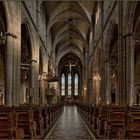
56	53
70	126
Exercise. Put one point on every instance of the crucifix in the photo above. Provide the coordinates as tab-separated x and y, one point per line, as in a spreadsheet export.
70	65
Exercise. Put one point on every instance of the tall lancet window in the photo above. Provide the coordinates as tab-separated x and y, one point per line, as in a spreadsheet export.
69	84
76	84
63	85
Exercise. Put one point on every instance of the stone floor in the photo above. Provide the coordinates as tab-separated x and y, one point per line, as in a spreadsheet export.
70	126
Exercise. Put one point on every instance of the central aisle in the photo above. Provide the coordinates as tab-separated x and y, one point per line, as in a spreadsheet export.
70	127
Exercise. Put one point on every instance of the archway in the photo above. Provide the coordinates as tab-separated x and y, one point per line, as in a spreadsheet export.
3	28
136	28
113	61
97	77
69	66
26	56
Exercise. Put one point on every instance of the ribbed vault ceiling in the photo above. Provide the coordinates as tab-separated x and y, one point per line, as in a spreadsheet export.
69	24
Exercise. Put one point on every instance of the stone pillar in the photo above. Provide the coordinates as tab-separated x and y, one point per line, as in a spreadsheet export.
107	83
97	90
17	53
44	84
13	39
90	90
35	60
36	72
32	88
37	85
34	93
103	78
84	85
130	48
9	70
121	60
42	91
86	98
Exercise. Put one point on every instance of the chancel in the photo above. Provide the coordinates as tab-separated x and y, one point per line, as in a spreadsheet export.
69	69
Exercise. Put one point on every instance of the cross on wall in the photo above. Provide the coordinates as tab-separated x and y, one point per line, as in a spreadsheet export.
70	65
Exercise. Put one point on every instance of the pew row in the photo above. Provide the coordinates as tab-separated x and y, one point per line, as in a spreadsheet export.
112	121
27	121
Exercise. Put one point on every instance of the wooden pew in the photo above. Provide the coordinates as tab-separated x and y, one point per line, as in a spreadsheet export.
88	113
25	121
49	115
133	123
37	118
83	111
8	123
91	114
45	117
53	110
116	126
56	109
95	117
102	119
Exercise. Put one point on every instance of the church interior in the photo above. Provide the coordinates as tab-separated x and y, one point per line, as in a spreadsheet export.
69	69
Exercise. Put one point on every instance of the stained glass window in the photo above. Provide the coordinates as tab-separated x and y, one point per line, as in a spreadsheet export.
69	84
76	84
63	85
